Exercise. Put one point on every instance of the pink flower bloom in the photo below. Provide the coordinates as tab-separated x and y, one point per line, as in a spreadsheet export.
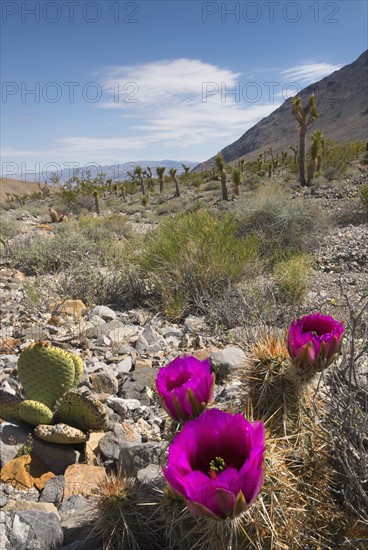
314	340
185	387
216	463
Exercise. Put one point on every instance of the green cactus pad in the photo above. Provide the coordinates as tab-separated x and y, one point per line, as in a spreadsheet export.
9	407
46	372
82	410
78	364
60	433
34	412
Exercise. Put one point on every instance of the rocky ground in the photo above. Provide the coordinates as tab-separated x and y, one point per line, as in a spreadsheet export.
122	352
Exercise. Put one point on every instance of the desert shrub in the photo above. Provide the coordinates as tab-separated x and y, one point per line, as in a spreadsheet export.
113	224
281	223
293	277
346	420
211	186
92	286
8	227
364	194
194	257
69	246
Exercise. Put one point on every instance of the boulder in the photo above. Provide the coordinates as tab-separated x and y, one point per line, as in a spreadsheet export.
227	360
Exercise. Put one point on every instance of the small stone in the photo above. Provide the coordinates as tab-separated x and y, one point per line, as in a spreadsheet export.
103	340
122	435
137	457
74	308
150	474
20	506
54	490
25	472
142	363
104	382
123	407
82	479
124	366
92	447
30	530
227	360
57	457
104	312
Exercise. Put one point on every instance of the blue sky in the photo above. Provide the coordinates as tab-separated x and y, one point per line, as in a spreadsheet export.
113	81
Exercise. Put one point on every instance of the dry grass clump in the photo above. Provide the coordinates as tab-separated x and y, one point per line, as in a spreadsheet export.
124	511
282	223
346	421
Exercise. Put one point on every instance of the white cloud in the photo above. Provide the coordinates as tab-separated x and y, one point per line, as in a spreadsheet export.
180	108
309	72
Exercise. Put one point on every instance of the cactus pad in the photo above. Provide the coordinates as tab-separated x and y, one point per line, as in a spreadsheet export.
47	372
35	413
78	364
9	406
60	433
82	410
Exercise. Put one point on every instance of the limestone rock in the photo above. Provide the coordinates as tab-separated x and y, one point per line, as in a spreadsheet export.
82	479
30	530
227	360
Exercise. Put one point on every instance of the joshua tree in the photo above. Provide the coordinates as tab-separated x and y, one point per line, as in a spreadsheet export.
260	165
148	174
220	165
305	117
241	164
172	173
160	170
236	177
315	151
96	195
295	151
185	168
45	191
138	172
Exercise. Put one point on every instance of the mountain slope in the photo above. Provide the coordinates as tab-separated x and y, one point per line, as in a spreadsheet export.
342	101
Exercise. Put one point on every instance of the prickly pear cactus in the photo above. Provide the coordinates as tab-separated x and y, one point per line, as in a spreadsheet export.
47	372
82	410
34	412
60	433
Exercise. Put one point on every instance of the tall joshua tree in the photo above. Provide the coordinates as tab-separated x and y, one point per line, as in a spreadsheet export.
160	170
138	172
148	174
185	168
236	177
315	151
305	117
96	195
172	173
220	165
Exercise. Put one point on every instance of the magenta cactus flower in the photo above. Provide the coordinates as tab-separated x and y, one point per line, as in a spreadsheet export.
314	340
185	387
216	463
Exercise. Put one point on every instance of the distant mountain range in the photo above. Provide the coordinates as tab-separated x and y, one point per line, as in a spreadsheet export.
342	102
115	172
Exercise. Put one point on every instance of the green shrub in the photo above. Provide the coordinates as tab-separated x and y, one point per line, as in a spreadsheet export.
68	247
282	224
293	277
8	227
364	194
194	257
